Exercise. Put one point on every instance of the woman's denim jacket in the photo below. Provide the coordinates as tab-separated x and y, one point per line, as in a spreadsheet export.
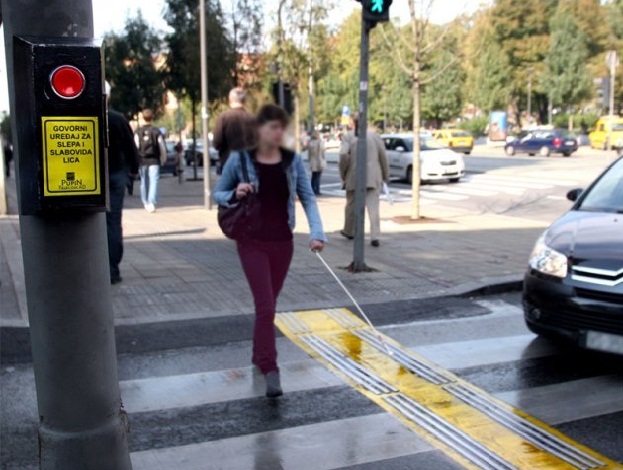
298	185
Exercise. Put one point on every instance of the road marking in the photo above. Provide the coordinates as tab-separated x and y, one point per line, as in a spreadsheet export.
463	189
320	446
519	179
492	187
474	428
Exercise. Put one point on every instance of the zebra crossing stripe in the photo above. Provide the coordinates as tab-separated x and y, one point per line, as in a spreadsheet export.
471	426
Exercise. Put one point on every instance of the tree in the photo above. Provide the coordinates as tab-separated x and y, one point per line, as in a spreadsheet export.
298	50
183	69
131	70
411	46
521	30
442	98
339	86
247	20
183	64
566	79
488	83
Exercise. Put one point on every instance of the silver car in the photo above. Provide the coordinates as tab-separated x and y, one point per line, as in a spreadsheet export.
436	161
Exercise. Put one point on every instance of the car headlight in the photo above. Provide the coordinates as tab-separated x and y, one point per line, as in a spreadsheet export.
547	260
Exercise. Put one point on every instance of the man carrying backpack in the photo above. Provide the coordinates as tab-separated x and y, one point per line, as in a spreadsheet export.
152	153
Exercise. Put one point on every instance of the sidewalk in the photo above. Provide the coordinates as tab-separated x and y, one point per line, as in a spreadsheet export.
177	265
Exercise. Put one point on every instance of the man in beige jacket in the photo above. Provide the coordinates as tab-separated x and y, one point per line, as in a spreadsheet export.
377	174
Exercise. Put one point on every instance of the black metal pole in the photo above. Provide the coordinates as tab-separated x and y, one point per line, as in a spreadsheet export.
361	166
82	424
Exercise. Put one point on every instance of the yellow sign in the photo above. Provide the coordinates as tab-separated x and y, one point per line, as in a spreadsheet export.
71	156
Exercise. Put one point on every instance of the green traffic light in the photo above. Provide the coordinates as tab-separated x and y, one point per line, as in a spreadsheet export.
377	6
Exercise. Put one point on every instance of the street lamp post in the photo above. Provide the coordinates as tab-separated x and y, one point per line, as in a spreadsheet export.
311	70
204	105
530	70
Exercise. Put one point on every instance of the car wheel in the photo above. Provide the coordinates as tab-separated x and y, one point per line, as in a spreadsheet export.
455	180
544	152
531	155
409	175
468	152
510	150
566	154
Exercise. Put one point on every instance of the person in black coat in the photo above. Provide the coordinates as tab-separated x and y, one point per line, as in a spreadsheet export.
122	165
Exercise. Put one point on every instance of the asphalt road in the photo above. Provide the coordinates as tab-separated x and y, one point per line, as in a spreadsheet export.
520	186
188	402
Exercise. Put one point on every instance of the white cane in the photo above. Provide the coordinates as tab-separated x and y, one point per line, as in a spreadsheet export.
365	317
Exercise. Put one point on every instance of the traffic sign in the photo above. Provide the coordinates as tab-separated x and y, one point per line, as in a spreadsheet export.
70	156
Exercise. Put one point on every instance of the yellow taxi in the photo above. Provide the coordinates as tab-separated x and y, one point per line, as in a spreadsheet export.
605	125
457	139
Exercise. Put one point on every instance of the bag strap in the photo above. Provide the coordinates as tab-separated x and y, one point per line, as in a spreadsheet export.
243	162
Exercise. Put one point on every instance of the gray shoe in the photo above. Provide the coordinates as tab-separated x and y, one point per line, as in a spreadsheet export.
273	385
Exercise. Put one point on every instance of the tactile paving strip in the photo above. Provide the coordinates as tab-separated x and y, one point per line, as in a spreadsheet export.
468	424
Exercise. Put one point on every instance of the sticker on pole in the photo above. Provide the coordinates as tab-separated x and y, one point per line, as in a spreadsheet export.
70	156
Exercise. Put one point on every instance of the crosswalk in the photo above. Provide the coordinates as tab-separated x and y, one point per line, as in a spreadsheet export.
203	408
470	186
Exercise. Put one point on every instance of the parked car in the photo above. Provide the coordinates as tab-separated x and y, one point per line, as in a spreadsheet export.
573	288
436	161
172	164
189	157
456	139
544	143
605	125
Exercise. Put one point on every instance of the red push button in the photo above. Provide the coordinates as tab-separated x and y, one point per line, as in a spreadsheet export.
67	81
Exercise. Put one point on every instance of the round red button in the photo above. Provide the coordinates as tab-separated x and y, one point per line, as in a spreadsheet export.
67	81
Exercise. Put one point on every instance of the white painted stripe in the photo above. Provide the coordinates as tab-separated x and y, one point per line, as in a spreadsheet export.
442	196
322	446
517	184
463	189
481	352
530	180
491	187
570	401
558	198
162	393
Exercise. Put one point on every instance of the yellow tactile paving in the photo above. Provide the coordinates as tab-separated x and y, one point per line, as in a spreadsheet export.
340	331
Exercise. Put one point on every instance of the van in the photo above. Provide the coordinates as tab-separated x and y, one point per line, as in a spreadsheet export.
605	124
457	139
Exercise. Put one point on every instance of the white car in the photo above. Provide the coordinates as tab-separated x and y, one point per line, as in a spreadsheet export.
436	161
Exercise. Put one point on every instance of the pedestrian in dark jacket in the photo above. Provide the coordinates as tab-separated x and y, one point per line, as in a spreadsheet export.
152	154
234	129
122	164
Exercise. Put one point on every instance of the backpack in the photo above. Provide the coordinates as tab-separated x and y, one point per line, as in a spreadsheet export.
148	142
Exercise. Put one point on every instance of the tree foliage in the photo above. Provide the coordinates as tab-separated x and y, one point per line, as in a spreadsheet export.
183	64
566	79
131	68
247	21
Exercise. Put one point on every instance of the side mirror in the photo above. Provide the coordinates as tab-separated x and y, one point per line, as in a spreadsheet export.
400	149
574	194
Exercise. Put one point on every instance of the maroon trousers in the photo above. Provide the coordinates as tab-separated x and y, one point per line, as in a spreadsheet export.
265	265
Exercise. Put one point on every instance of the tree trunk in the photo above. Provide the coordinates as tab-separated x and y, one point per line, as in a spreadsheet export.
193	106
297	123
415	166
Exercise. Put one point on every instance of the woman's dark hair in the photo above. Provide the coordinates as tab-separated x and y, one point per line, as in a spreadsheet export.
272	112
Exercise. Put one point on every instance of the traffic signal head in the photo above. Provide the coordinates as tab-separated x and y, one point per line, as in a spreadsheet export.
375	11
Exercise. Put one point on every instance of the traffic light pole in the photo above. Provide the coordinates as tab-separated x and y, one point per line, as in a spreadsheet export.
82	424
359	264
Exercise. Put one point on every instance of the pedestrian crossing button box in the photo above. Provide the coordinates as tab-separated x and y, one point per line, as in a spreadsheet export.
61	125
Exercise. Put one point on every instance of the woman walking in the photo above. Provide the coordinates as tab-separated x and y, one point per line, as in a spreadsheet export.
277	176
317	162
